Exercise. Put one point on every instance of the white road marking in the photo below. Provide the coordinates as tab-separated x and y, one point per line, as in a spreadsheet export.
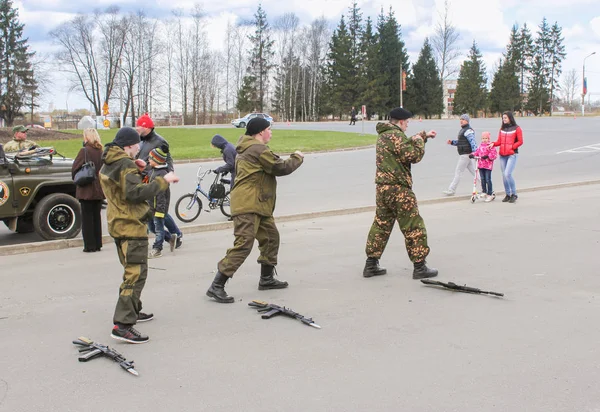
583	149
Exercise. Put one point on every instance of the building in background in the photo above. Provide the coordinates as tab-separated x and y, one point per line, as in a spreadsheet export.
449	90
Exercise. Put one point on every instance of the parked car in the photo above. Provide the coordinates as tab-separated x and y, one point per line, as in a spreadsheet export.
243	121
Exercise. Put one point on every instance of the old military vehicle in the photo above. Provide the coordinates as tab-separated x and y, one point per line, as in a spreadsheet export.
37	194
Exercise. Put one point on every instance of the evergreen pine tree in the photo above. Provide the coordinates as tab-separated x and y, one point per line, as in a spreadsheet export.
505	94
557	55
393	55
246	97
471	91
523	58
374	91
339	70
538	95
17	83
426	85
261	57
355	32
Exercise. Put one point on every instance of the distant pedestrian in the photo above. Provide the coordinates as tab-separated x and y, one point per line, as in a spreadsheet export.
395	201
90	196
510	138
487	154
353	117
465	145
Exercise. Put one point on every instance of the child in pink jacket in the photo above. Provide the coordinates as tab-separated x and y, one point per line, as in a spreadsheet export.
485	164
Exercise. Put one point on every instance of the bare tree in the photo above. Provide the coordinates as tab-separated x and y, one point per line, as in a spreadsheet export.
318	37
170	31
445	44
568	87
90	49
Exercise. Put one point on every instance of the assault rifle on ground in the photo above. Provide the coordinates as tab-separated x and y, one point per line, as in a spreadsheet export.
269	310
95	350
458	288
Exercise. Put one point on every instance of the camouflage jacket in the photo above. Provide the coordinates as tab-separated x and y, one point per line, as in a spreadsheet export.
395	153
18	145
255	180
127	210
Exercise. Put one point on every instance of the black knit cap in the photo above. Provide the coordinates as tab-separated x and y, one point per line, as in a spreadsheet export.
126	136
400	114
256	125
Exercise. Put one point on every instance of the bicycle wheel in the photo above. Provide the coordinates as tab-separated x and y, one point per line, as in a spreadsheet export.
225	205
188	207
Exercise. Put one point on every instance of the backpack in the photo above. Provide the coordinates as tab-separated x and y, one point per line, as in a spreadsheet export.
217	189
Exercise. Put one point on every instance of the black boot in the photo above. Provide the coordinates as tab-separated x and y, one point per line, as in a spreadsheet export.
422	271
372	268
267	281
217	289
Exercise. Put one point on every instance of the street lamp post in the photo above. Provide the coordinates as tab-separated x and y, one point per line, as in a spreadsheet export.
583	86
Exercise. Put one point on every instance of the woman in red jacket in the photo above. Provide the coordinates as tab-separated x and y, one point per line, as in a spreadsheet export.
510	137
90	196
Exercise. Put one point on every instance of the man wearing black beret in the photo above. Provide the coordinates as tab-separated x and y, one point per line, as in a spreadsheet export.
252	206
395	200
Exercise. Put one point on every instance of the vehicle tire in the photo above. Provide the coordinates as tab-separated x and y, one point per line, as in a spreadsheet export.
188	207
225	205
242	125
57	216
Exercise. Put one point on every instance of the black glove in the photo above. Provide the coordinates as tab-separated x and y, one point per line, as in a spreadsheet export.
165	148
486	157
471	156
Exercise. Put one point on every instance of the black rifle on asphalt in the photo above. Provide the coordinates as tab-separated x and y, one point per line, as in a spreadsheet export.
458	288
95	350
269	310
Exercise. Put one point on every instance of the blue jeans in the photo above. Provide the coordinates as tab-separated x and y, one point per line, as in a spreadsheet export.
486	181
172	227
507	164
157	226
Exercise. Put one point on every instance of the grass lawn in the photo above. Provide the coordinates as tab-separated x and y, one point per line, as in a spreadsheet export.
194	143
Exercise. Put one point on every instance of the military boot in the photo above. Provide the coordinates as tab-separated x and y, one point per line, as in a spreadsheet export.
267	281
217	289
372	268
422	271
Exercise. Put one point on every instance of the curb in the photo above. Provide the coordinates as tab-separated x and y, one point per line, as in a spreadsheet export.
210	227
217	159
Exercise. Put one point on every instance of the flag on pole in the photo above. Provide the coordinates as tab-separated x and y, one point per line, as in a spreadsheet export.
584	86
403	81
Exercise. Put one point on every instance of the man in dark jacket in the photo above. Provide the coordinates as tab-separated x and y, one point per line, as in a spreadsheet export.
229	154
252	206
150	140
127	212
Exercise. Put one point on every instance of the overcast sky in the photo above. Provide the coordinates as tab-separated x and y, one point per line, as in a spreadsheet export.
488	22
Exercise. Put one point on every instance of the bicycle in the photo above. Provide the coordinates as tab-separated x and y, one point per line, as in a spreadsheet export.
189	206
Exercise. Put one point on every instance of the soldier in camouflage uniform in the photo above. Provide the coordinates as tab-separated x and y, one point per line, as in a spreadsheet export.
252	206
395	200
127	213
19	143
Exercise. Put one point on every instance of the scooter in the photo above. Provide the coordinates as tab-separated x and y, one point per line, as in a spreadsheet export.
476	195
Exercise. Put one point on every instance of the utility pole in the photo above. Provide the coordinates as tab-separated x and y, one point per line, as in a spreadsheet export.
584	86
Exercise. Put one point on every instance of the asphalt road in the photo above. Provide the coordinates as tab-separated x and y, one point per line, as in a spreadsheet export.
340	180
386	343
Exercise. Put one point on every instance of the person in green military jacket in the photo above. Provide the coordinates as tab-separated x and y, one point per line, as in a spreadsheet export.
19	143
395	200
127	214
252	206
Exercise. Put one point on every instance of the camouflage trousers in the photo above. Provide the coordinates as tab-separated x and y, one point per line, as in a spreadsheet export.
133	255
247	228
397	203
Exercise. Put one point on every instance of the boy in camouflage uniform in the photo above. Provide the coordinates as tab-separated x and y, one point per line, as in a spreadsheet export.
127	213
252	206
395	200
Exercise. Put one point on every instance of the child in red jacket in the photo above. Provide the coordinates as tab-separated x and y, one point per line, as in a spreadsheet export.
487	154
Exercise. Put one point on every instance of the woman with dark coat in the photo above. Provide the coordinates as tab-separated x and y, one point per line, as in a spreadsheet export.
90	196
